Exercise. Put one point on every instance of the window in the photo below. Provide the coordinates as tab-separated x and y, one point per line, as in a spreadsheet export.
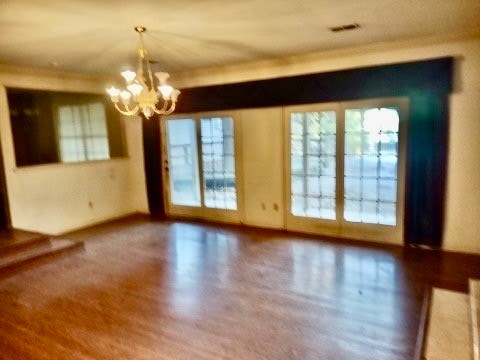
183	162
211	139
52	127
313	164
371	157
82	132
345	166
218	158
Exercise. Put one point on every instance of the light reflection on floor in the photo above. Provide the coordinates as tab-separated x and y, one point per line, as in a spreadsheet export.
310	269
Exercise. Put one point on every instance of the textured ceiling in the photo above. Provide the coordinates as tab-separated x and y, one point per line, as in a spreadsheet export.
97	37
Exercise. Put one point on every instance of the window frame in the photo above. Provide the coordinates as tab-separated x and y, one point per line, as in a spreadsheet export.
203	212
341	227
331	107
44	103
83	137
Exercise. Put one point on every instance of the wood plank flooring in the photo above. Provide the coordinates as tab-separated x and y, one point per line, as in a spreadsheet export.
146	289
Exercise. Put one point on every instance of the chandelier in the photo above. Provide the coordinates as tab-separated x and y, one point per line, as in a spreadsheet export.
141	95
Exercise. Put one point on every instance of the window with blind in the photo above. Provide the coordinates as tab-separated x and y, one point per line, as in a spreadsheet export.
52	127
82	132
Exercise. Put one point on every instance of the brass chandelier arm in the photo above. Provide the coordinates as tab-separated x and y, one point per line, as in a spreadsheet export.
172	109
127	111
163	109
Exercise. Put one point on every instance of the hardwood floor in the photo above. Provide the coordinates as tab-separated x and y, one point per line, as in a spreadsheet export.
177	290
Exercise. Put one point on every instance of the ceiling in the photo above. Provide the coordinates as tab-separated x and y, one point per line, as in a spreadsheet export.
97	36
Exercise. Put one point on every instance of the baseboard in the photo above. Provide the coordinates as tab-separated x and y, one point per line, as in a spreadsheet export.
100	222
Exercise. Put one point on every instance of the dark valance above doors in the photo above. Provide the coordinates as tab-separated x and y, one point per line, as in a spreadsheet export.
405	79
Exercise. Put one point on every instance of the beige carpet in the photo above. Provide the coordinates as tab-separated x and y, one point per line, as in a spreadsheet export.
449	331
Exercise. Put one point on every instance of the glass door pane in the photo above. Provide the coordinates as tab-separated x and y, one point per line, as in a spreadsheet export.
183	162
371	157
313	164
218	163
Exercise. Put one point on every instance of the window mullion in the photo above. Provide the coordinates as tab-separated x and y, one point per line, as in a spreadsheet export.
305	163
340	161
379	152
83	129
224	167
89	135
200	161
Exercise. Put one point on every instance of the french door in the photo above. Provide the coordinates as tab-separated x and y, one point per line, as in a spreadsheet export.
346	168
202	166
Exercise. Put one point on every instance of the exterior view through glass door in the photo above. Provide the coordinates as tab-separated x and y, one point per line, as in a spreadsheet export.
183	162
370	173
202	167
346	168
218	163
313	164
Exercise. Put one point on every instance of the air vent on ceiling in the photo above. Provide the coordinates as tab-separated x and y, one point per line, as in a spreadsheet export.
345	27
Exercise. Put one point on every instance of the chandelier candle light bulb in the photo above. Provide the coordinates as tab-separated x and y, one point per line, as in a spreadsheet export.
141	88
128	75
135	89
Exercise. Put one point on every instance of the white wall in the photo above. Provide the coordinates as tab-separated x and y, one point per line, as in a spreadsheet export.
262	153
462	230
56	198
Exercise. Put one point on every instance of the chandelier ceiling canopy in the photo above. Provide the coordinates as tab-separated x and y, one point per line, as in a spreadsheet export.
140	94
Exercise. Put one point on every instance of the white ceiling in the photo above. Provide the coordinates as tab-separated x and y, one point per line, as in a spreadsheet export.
97	36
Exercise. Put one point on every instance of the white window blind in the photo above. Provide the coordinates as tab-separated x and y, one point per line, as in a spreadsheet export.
82	132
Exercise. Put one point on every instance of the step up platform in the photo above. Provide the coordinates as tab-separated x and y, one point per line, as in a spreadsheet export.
449	326
12	241
474	288
454	324
19	249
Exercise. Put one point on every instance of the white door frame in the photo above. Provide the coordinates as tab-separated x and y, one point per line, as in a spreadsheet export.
202	212
340	227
